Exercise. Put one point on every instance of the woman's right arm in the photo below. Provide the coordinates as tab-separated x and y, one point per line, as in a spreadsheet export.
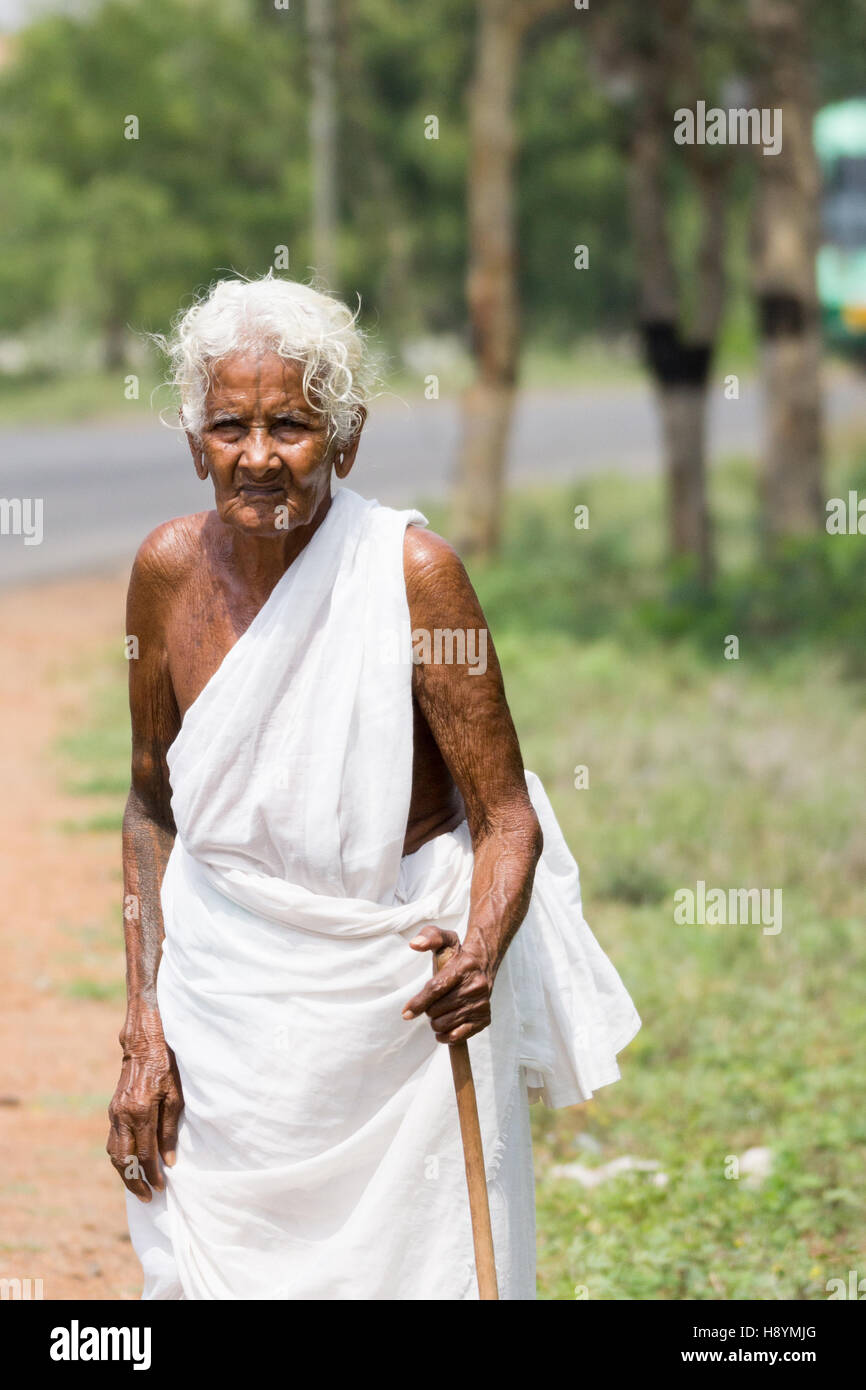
146	1105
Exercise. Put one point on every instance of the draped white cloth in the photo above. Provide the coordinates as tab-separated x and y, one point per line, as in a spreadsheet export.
319	1154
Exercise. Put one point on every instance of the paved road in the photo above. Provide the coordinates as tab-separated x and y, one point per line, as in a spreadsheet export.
106	485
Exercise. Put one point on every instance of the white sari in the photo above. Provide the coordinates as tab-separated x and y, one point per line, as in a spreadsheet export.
319	1153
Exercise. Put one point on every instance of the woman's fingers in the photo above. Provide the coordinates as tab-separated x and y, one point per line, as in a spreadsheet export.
169	1116
474	1018
457	999
440	985
122	1151
471	990
462	1032
144	1114
432	938
148	1151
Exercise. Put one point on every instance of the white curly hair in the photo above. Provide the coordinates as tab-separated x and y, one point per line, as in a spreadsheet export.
299	323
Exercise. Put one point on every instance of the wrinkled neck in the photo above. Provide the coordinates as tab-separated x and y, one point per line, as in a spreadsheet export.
259	562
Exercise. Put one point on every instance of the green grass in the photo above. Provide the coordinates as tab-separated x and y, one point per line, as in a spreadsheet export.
43	398
73	1103
100	991
95	758
95	955
741	773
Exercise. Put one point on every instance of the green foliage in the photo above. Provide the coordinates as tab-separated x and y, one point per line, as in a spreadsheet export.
124	229
97	991
813	597
104	232
571	191
37	396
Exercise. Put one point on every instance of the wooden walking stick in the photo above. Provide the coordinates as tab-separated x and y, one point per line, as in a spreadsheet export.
473	1157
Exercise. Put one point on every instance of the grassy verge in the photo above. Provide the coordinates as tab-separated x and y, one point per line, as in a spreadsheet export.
40	399
742	773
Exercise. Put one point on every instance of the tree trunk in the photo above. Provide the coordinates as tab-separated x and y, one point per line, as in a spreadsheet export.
787	233
491	281
649	59
114	343
680	367
323	136
683	410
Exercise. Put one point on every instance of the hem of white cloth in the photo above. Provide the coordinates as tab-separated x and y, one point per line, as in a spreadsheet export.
557	1096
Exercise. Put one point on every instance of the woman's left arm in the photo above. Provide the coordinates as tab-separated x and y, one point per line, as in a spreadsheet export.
463	702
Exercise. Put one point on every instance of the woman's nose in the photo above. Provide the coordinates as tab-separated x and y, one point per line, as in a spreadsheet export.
258	451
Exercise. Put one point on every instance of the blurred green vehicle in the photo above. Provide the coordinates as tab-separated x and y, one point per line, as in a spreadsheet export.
840	142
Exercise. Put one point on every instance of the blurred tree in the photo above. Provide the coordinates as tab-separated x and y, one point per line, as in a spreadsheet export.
570	189
222	89
127	215
323	136
34	196
787	237
222	171
491	279
403	173
653	62
118	248
836	30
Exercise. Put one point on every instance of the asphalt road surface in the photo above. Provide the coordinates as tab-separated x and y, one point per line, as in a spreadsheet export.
105	485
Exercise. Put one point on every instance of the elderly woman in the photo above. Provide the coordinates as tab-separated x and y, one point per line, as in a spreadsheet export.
325	790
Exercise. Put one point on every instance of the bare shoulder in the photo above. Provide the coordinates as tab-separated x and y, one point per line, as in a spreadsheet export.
168	553
437	583
430	561
166	558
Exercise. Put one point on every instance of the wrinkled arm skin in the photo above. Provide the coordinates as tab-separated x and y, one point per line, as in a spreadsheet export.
146	1106
469	718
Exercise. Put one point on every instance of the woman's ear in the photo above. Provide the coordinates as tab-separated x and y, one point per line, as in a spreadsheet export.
345	455
197	454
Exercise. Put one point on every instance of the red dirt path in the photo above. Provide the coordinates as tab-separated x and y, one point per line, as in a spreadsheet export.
62	1216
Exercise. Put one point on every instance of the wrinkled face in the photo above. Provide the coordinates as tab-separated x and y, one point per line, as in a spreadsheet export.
265	449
